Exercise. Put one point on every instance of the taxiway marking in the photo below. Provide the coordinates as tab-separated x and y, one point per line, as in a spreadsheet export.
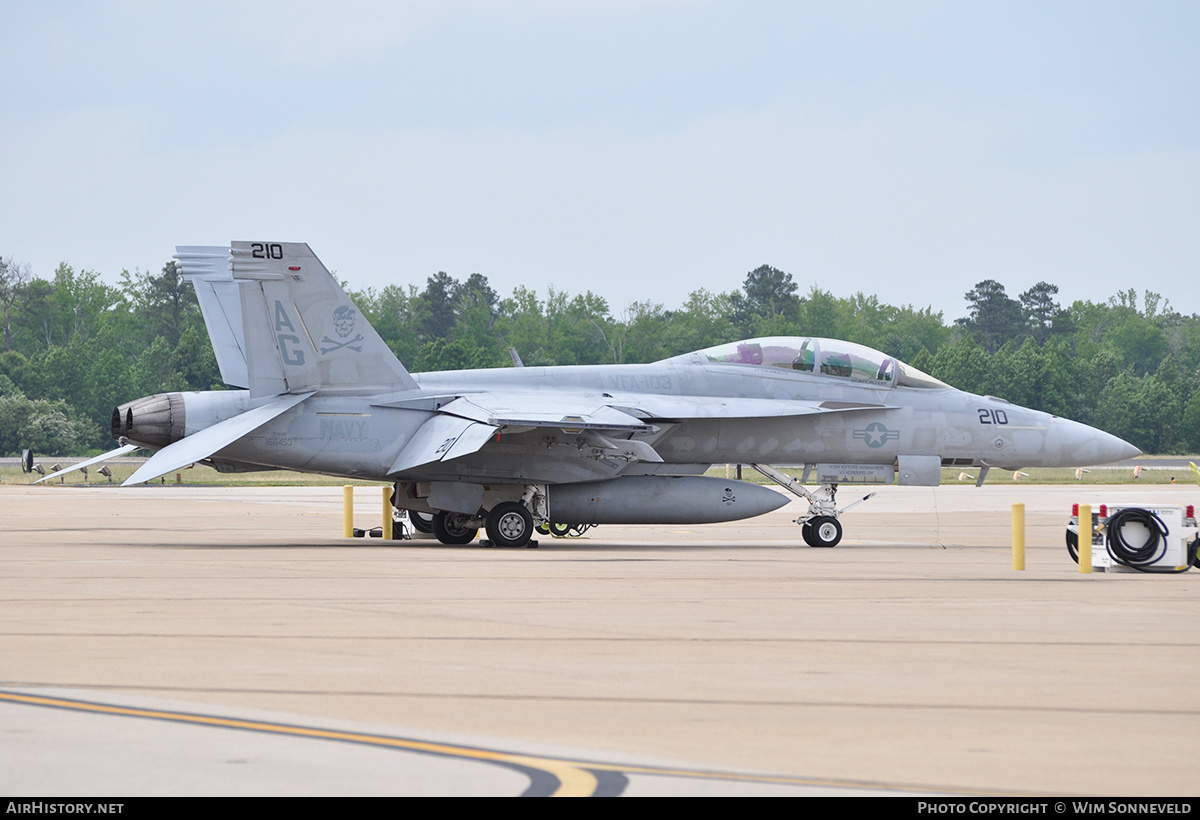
549	777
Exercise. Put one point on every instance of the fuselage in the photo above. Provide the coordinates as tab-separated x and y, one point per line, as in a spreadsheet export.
863	422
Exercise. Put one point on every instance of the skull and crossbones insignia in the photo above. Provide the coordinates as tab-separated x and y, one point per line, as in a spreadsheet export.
343	323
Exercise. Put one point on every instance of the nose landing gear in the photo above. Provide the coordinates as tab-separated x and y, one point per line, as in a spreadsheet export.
820	527
821	531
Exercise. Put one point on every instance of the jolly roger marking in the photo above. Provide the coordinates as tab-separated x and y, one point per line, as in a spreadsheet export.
344	319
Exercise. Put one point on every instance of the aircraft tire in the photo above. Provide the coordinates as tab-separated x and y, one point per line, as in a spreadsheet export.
421	522
806	533
448	530
509	525
824	531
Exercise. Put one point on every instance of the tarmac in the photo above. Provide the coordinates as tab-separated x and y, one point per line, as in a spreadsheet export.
184	640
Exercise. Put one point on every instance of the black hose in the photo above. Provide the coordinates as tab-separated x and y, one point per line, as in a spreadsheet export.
1139	557
1073	545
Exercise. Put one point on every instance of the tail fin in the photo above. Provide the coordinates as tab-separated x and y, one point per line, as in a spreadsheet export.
207	268
302	333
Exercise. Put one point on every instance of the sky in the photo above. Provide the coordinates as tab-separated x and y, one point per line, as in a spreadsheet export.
641	150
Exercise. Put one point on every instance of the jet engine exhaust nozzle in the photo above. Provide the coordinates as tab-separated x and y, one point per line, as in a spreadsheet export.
154	421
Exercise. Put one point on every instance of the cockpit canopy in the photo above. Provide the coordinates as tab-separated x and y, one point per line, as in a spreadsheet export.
825	357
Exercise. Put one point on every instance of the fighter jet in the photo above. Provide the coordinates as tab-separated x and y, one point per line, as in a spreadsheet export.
513	449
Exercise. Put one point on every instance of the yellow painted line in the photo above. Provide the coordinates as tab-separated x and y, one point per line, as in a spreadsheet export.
574	782
575	777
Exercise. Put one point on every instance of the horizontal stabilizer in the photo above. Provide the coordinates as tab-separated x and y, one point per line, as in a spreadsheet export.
203	444
120	451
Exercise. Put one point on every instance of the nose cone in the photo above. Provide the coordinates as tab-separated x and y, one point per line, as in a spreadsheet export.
1083	446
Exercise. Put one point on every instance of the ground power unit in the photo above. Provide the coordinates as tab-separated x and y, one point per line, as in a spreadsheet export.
1129	538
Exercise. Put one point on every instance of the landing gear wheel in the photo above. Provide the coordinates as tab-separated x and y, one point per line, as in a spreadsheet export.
822	531
421	522
449	529
560	530
509	525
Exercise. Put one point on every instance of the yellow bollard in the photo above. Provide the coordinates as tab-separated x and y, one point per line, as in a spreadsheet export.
387	513
1085	539
347	511
1018	536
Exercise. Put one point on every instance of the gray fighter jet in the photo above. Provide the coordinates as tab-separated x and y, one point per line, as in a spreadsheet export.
511	449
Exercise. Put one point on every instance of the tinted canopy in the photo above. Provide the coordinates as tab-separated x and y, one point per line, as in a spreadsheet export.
824	357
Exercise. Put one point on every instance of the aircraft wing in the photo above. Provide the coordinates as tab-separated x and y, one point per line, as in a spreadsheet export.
203	444
467	423
545	410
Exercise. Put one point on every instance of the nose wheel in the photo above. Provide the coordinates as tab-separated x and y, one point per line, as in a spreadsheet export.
821	531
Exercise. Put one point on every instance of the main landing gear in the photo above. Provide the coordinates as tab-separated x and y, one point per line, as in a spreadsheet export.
508	524
421	522
454	528
820	526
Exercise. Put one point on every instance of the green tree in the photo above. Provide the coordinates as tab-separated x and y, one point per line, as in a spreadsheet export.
1043	315
14	278
963	364
166	305
437	306
767	293
706	319
52	428
819	314
993	319
455	354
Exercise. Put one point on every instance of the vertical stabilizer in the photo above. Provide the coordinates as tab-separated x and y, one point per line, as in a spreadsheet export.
207	268
302	332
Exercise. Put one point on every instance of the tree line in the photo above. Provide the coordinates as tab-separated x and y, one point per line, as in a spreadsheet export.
74	346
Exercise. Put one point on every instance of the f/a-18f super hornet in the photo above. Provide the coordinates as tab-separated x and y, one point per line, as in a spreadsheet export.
511	449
